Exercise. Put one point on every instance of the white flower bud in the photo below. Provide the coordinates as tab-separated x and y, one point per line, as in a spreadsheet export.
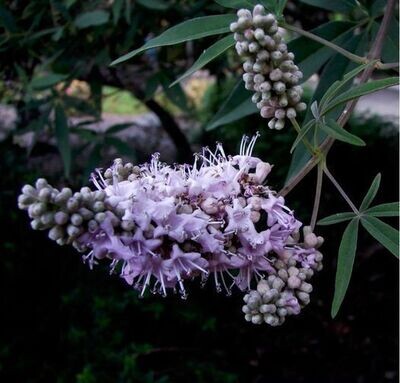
291	113
294	282
100	217
271	123
76	219
280	114
259	34
234	27
29	190
265	86
275	75
301	106
47	219
98	206
257	319
41	183
255	97
263	55
254	47
258	10
56	233
36	224
73	231
276	55
210	206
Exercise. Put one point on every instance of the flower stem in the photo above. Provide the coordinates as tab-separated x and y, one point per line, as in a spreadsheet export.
317	198
337	48
340	189
305	141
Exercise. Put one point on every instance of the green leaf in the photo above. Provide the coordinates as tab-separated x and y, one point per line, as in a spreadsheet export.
311	55
236	106
373	189
360	90
118	128
91	19
208	55
303	131
48	81
347	252
333	129
383	233
384	210
158	5
236	4
186	31
7	20
62	137
338	85
344	6
121	146
116	10
336	218
336	67
174	93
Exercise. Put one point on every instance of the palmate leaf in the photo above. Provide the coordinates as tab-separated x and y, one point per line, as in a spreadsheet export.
383	233
373	189
347	252
384	210
208	55
188	30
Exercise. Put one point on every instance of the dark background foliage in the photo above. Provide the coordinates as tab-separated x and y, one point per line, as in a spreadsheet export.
64	323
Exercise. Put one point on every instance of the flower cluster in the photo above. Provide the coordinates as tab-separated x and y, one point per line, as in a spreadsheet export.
269	67
160	225
286	292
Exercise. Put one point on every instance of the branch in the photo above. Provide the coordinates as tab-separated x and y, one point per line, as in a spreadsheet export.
374	53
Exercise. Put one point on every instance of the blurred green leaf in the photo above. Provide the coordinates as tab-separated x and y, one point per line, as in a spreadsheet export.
62	136
336	218
384	210
369	197
116	10
208	55
159	5
236	4
383	233
343	6
7	20
119	128
236	106
188	30
360	90
347	252
174	93
47	81
333	129
92	19
121	146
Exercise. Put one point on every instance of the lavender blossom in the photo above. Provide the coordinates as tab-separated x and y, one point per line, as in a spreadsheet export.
160	226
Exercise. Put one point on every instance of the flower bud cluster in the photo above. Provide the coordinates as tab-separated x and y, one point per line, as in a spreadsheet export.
269	68
161	225
288	290
65	214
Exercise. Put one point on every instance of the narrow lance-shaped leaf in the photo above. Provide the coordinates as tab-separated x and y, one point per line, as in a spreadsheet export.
384	210
336	218
347	252
159	5
333	5
186	31
383	233
303	132
208	55
92	19
338	85
333	129
235	4
62	136
373	189
236	106
359	91
47	81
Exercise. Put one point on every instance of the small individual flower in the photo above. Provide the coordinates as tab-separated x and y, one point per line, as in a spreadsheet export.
160	226
269	68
